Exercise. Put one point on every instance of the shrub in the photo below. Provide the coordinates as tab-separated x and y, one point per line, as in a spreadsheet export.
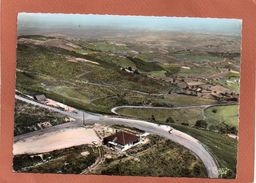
201	124
213	128
225	172
170	120
214	110
153	119
225	128
185	124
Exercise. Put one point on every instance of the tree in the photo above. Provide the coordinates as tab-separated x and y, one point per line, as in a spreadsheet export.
153	118
214	110
196	170
185	124
225	173
170	120
213	128
130	68
201	124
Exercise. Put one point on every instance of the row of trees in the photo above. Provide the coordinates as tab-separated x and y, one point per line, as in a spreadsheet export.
222	127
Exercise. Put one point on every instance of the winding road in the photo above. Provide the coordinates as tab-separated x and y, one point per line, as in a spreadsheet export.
162	130
113	110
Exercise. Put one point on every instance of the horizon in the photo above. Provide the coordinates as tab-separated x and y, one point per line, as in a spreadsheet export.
127	22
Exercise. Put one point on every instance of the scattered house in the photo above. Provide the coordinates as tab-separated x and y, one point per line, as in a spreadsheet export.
130	70
144	136
121	140
199	89
69	119
185	67
229	82
43	125
40	98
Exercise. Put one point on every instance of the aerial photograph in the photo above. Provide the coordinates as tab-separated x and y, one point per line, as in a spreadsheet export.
127	95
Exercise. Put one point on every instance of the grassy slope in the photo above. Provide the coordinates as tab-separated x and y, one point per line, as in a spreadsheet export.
67	160
179	115
45	66
186	100
232	78
222	147
27	116
227	114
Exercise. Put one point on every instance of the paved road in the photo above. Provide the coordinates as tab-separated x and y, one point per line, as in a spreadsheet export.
113	110
45	106
176	136
162	130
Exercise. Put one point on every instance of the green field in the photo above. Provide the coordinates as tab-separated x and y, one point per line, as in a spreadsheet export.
197	71
219	114
179	116
186	100
229	80
195	57
222	119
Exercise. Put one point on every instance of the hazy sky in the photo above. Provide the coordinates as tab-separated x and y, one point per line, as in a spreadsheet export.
150	23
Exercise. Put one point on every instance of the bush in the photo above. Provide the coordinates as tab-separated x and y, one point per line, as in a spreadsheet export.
213	128
225	173
185	124
196	170
225	128
214	110
201	124
153	119
170	120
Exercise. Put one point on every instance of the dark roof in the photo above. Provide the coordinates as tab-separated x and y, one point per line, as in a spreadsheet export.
40	97
122	138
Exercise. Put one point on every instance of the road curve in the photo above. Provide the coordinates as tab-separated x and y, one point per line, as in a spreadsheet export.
162	130
113	110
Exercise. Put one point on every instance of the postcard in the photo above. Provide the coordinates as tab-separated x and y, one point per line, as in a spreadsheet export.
122	95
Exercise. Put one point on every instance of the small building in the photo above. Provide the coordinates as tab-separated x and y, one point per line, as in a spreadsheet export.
121	140
45	124
40	98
